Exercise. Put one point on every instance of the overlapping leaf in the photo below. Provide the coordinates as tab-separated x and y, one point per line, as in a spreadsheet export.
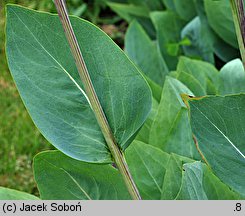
143	52
201	43
199	76
62	178
45	73
147	165
171	130
218	125
159	175
220	19
168	26
204	41
198	183
173	177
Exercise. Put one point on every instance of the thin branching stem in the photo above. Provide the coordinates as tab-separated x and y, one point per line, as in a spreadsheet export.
239	22
117	154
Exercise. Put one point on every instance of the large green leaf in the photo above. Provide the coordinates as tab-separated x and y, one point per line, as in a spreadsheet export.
144	53
209	40
173	177
198	183
62	178
168	26
147	165
201	43
218	124
45	73
10	194
171	130
232	78
159	175
156	173
221	20
199	76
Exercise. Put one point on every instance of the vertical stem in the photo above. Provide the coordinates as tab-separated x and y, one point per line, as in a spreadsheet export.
237	7
94	101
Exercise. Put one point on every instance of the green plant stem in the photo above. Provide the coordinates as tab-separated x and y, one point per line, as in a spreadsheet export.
94	101
237	7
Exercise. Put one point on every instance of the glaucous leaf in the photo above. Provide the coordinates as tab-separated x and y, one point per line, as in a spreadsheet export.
198	183
147	165
168	26
210	39
218	125
144	53
171	131
173	177
44	70
62	178
199	76
159	175
232	78
201	43
10	194
221	20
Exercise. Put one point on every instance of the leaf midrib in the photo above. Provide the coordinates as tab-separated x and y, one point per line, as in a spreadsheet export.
227	138
71	177
58	63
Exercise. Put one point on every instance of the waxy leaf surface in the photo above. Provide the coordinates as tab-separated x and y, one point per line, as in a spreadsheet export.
159	175
199	35
171	131
232	78
145	53
168	26
46	76
173	177
221	20
199	76
218	125
199	183
62	178
147	165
